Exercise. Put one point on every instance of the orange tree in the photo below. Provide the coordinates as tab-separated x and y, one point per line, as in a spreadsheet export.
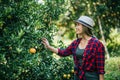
22	25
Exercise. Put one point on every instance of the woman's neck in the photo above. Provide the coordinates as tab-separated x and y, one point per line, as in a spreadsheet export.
84	41
86	37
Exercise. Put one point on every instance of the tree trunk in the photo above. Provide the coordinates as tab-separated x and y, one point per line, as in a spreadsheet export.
103	38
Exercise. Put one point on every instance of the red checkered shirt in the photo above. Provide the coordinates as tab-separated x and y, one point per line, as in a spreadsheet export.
93	57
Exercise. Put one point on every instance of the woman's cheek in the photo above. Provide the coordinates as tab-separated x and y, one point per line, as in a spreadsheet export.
78	31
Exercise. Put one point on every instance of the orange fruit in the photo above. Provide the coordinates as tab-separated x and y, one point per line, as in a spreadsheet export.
68	75
64	75
1	23
9	16
72	71
32	50
10	48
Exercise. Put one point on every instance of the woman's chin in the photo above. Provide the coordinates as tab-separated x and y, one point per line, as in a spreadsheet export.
78	33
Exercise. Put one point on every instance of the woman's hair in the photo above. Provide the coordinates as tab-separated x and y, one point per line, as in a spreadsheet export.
87	31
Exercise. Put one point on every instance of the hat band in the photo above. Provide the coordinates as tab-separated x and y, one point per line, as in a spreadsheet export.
85	23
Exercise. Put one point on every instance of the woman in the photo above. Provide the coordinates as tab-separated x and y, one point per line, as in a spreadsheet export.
88	51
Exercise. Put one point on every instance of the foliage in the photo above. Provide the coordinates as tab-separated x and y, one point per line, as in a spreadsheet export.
113	42
112	69
22	25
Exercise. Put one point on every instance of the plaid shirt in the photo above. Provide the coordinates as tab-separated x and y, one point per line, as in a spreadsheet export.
93	57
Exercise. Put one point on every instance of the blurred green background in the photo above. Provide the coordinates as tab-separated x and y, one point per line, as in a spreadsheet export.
24	22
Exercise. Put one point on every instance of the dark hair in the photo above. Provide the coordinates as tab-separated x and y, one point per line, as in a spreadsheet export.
87	31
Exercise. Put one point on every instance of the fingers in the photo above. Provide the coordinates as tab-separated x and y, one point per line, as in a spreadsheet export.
43	38
45	41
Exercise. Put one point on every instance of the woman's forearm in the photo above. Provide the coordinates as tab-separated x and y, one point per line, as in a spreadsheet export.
101	76
55	50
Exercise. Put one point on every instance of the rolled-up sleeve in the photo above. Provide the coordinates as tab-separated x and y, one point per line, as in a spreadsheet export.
100	58
67	51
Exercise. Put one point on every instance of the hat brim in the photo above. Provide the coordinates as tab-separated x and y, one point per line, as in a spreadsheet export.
83	23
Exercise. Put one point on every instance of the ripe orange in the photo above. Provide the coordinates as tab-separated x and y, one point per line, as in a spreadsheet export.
32	50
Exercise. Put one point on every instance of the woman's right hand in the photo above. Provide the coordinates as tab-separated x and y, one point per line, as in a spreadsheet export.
45	42
47	45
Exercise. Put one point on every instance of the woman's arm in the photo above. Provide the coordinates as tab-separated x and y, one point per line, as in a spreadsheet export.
55	50
51	48
101	76
100	60
61	52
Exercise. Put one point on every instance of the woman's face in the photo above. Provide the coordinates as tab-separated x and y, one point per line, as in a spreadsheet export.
79	28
